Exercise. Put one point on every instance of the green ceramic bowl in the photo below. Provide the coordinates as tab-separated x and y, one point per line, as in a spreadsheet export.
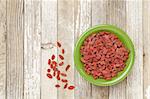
125	40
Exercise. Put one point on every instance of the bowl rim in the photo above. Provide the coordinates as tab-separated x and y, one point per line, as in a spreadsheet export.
113	28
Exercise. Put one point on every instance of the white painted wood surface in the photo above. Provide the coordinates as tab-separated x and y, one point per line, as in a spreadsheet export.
32	49
83	21
49	35
146	48
134	88
28	28
66	36
2	49
15	31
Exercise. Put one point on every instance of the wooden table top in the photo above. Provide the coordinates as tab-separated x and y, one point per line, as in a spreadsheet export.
27	26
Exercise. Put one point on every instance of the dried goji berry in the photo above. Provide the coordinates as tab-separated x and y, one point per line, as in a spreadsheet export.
57	85
103	55
54	63
51	66
61	57
53	57
83	60
49	76
109	78
58	73
64	80
68	66
48	70
71	87
54	73
113	74
49	61
61	63
65	86
63	74
55	69
58	44
58	78
63	51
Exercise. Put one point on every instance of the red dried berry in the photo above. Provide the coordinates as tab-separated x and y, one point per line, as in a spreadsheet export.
71	87
103	55
58	44
83	60
57	86
51	66
54	73
55	69
58	73
61	57
49	76
58	78
54	63
63	74
113	74
49	61
63	51
53	57
48	70
109	78
65	86
68	66
64	80
61	63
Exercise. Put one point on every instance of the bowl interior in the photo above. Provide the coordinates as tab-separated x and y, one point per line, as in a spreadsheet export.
125	40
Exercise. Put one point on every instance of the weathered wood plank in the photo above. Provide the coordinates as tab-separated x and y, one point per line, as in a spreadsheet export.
49	35
2	49
116	15
82	22
134	89
15	49
66	36
32	49
146	54
98	12
99	17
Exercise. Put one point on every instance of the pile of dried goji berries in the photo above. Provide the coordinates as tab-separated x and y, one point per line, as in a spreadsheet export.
54	72
103	55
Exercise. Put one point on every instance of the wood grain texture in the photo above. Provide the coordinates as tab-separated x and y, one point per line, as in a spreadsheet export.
29	29
134	89
32	49
66	37
116	15
146	54
2	49
15	49
99	17
82	22
49	36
